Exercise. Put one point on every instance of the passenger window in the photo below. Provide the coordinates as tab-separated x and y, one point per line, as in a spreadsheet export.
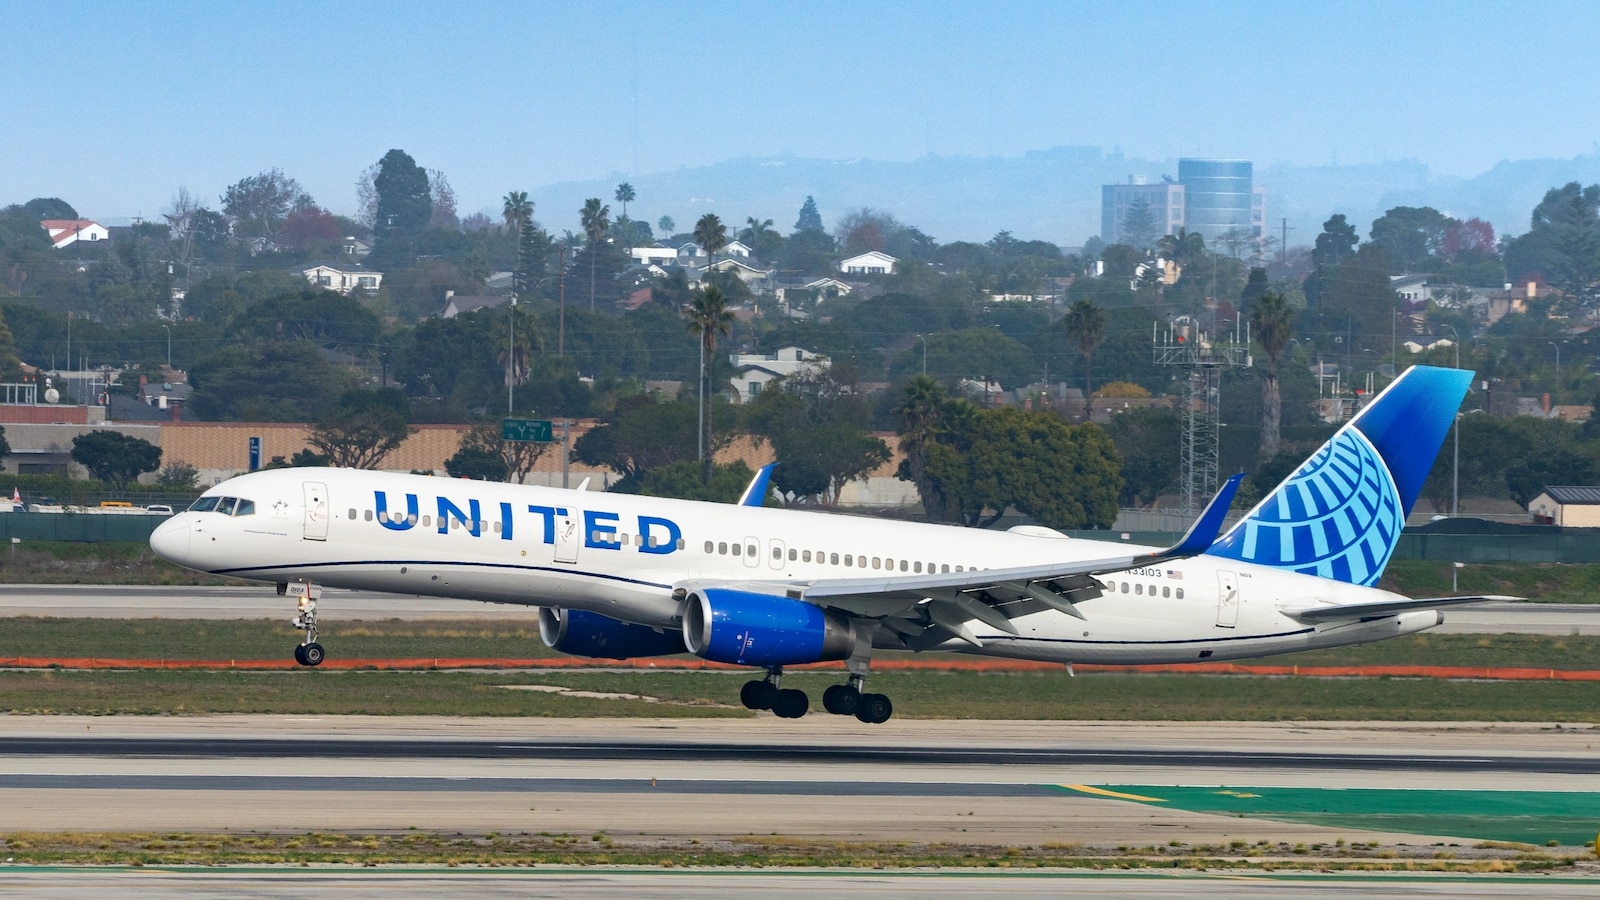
833	559
352	514
369	515
382	516
1139	589
709	547
750	550
917	567
944	568
738	549
681	544
427	521
722	547
806	556
225	506
412	520
204	504
1166	591
1180	593
497	528
877	562
793	554
847	559
904	566
777	553
248	507
1124	587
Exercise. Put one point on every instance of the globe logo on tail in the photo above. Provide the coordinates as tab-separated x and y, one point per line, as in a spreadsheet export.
1338	516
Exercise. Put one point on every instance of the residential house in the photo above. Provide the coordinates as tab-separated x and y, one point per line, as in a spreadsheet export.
1511	300
747	273
737	248
65	232
356	248
756	370
872	262
691	256
456	304
343	280
655	255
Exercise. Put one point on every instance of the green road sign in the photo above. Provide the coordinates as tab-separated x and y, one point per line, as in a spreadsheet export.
533	431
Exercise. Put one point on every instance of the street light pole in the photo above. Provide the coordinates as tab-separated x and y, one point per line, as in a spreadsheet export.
168	329
511	353
1558	363
924	339
1455	466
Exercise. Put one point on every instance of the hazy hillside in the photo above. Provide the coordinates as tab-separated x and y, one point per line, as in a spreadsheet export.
1049	194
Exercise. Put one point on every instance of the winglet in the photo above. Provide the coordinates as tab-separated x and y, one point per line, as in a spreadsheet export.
755	493
1203	533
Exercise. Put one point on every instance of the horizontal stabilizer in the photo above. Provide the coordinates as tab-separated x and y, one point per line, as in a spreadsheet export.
1351	611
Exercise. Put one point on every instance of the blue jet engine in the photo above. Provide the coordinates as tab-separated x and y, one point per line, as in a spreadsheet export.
579	633
749	629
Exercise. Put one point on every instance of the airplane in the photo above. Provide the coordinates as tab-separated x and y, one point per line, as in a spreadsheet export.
619	576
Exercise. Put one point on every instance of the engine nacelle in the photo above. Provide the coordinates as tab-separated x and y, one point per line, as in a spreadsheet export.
762	630
580	633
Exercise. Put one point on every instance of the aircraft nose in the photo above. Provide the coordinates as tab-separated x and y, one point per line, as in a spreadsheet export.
170	540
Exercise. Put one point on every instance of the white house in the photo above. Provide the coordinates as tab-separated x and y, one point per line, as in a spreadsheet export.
870	263
70	231
757	370
737	248
1574	506
690	256
343	280
747	273
659	256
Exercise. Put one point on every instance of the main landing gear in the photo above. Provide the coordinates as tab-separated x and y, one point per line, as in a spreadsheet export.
308	652
840	699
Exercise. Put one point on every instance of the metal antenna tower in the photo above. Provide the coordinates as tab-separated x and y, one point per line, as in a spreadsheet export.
1201	359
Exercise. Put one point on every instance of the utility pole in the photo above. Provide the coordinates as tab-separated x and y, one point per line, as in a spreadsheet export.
561	317
1283	245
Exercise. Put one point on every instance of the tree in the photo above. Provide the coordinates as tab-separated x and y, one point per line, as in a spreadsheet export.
534	249
666	226
810	219
1086	325
1148	440
178	476
517	211
624	195
763	240
405	202
818	461
921	416
711	235
682	480
442	200
596	220
640	434
1410	235
1183	248
114	457
708	316
362	428
1139	227
1272	325
1336	243
483	456
5	445
258	204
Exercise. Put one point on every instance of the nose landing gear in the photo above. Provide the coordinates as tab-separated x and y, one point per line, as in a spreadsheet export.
308	652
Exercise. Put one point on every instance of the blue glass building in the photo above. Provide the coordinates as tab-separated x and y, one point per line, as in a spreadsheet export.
1218	197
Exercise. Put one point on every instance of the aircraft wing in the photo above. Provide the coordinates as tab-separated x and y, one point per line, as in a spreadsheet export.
912	604
1358	611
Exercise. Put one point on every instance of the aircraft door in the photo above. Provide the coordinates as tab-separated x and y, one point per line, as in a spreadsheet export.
775	555
569	535
1227	599
752	552
316	527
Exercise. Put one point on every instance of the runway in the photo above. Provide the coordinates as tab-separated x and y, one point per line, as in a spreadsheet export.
178	602
989	782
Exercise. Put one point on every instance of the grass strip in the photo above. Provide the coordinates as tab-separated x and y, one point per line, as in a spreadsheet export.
413	848
101	562
518	638
1539	582
929	695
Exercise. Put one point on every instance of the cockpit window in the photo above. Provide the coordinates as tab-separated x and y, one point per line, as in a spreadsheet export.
245	508
205	504
225	506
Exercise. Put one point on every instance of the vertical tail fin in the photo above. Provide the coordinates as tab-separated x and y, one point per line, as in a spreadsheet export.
1340	514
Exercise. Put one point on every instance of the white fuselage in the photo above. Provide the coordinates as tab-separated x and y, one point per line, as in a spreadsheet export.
622	556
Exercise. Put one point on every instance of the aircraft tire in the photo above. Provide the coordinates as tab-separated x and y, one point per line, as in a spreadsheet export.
758	695
875	709
841	700
300	654
312	653
791	704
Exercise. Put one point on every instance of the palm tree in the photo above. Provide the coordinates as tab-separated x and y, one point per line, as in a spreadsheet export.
920	414
1272	325
518	211
1086	323
708	316
711	235
667	226
1182	248
624	196
759	228
596	219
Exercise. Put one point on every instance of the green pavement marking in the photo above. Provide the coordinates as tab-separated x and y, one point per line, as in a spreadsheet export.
1531	817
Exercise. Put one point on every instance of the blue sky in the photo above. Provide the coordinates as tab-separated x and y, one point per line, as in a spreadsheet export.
113	106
